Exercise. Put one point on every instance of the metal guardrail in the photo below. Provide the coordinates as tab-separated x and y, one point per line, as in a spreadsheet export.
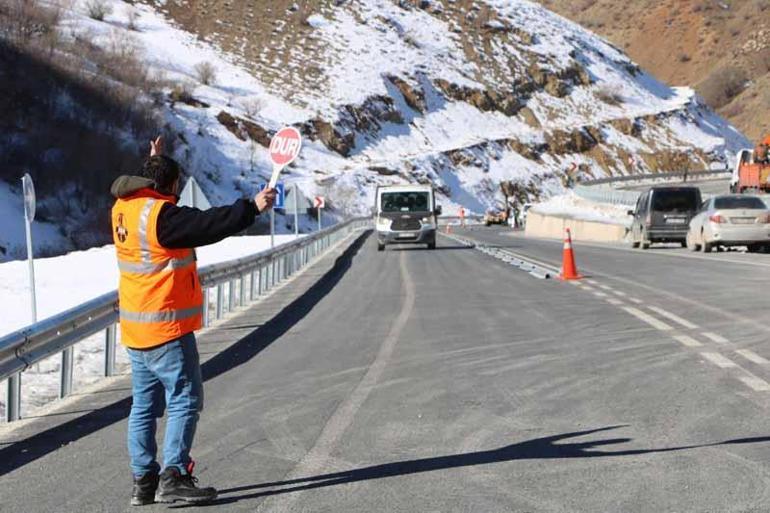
655	176
59	334
607	195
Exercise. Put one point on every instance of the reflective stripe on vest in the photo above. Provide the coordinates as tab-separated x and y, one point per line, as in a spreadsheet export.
144	245
165	316
150	268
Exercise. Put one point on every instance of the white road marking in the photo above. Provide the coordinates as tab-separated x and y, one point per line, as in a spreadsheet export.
673	317
592	282
605	287
613	301
719	339
755	383
752	356
317	458
719	360
649	319
619	293
586	287
688	341
601	294
637	301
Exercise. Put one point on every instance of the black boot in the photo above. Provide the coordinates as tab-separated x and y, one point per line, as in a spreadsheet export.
144	489
177	487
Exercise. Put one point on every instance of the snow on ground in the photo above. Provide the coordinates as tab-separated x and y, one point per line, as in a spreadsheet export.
46	237
66	281
571	205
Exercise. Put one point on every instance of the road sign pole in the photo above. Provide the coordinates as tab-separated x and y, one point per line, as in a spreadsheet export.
272	228
319	219
30	260
296	212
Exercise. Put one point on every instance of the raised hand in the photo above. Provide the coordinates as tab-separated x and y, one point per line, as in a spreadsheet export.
156	146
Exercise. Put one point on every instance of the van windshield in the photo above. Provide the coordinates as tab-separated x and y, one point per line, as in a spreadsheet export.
405	201
675	200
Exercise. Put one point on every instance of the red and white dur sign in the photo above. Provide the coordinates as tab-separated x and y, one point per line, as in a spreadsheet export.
284	148
319	202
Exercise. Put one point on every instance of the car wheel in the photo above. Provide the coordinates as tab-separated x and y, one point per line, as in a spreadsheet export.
380	247
432	245
706	247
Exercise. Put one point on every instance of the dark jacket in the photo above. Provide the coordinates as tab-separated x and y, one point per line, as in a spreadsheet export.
186	227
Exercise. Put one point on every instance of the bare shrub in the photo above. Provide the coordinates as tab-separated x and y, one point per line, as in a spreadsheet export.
252	105
123	61
23	20
182	92
722	85
206	72
98	9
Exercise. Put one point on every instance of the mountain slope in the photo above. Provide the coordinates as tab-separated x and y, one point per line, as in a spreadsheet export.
456	93
721	47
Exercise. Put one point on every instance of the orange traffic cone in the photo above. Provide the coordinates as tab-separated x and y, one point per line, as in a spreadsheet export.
568	268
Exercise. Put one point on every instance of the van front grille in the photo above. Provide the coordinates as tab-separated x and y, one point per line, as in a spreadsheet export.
405	224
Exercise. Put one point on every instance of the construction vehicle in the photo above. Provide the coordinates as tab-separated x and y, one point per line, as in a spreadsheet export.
752	170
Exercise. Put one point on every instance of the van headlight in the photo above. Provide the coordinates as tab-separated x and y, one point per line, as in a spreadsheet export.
383	222
427	221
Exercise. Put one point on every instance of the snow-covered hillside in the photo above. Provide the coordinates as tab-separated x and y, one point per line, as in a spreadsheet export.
458	93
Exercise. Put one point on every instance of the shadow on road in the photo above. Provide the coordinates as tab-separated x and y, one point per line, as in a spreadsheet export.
538	448
30	449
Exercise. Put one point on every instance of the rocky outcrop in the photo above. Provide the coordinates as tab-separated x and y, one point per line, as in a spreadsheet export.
485	100
582	140
414	97
319	130
559	83
244	129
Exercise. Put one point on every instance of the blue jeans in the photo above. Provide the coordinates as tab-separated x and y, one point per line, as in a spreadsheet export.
168	375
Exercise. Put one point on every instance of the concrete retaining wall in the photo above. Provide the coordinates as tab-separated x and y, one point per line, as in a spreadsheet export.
553	226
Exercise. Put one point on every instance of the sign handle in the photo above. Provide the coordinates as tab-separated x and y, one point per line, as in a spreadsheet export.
296	211
272	228
276	174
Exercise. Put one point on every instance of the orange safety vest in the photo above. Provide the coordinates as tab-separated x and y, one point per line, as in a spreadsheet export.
160	294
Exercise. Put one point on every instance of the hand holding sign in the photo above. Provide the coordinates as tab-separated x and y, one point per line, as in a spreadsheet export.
284	148
265	199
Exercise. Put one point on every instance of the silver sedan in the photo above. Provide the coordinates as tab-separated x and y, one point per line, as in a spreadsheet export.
730	220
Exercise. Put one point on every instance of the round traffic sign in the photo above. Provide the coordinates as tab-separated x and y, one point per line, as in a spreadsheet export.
28	190
284	146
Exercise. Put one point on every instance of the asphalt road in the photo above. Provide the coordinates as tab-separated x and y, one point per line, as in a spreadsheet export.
448	381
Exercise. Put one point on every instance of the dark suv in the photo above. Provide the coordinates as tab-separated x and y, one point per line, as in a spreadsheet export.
663	214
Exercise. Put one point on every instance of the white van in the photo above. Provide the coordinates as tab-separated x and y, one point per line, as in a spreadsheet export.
406	214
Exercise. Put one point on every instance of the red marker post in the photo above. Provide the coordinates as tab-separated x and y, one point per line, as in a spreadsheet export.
319	202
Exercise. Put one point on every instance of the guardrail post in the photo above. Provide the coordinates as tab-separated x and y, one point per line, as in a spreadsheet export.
109	350
205	306
260	280
220	300
231	298
67	361
252	285
13	399
242	298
